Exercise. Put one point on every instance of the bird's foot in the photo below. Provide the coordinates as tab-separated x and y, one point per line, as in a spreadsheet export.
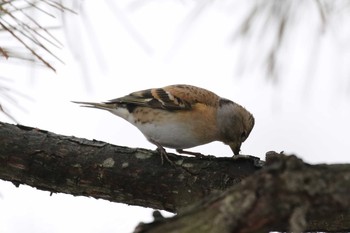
197	154
162	152
164	155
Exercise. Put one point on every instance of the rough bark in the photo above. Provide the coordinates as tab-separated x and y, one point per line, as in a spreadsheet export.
286	195
78	166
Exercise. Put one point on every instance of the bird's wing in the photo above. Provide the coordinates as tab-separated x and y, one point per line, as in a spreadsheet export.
174	97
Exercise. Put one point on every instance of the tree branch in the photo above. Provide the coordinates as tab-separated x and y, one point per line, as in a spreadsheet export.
286	195
133	176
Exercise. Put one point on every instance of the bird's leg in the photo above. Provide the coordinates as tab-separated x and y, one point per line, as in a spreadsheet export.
197	154
162	153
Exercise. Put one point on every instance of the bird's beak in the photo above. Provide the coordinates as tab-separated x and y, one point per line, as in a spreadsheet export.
235	147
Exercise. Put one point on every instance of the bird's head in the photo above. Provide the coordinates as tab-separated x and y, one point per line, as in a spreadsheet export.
235	124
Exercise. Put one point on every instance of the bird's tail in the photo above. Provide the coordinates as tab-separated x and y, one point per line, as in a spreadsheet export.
104	106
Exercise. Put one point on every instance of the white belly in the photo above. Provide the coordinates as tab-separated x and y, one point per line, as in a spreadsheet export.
170	135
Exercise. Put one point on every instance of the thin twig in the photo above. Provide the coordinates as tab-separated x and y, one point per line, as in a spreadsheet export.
27	47
31	36
40	27
39	9
58	6
4	53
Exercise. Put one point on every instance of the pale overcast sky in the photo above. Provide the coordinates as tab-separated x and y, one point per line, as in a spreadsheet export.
112	50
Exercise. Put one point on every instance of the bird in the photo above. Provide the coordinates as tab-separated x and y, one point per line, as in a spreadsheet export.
182	116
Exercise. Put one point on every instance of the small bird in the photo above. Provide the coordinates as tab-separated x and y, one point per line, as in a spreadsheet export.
181	117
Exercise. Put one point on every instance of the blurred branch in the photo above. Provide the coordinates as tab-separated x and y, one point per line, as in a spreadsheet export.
122	17
16	22
10	95
7	114
279	18
19	39
24	38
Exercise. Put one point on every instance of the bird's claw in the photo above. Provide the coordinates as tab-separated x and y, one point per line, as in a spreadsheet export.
196	154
